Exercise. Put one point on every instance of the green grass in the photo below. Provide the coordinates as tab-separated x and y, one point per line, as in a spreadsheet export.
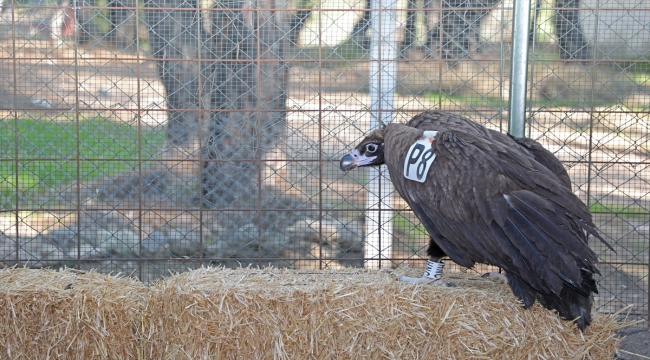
475	101
347	50
406	226
494	102
47	152
626	211
636	64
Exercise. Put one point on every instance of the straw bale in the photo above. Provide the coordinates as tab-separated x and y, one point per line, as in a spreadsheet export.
285	314
69	314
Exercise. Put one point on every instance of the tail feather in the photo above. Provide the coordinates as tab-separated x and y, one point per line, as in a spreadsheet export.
570	305
573	303
521	289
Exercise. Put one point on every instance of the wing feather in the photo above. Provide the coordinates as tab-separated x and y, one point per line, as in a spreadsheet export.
464	201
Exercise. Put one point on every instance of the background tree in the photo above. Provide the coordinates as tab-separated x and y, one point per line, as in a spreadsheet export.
460	21
122	22
226	78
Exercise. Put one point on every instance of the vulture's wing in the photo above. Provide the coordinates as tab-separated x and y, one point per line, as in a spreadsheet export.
435	119
546	158
482	202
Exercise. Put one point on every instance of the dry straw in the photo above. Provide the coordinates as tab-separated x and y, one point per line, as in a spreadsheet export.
281	314
284	314
47	314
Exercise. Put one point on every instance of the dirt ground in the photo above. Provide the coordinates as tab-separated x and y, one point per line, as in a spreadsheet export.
635	343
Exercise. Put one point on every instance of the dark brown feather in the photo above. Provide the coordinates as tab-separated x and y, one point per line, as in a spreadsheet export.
489	198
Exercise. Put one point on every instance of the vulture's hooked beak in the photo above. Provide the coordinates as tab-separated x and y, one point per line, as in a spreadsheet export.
355	159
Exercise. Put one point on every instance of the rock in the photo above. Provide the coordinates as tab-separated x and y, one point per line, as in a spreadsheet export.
245	241
216	250
7	248
242	244
123	243
96	236
183	242
312	256
55	255
48	250
155	244
351	244
64	237
104	220
324	231
88	251
129	185
350	235
216	231
27	256
272	244
6	244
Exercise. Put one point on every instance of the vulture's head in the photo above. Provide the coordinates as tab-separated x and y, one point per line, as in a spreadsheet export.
369	152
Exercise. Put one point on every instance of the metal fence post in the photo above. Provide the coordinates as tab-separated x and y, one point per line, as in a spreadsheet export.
383	69
519	68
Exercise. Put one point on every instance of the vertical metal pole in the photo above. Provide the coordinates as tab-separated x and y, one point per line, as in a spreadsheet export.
14	108
383	52
519	68
138	114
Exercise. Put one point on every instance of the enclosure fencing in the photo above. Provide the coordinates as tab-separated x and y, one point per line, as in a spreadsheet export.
143	137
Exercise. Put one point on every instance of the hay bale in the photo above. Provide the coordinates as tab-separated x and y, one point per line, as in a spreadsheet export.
284	314
69	314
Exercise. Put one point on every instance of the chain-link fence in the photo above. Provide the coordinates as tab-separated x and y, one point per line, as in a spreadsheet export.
148	137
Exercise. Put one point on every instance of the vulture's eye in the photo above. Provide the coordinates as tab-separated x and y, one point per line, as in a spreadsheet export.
371	148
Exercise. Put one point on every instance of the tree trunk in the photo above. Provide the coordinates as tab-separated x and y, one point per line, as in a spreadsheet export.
361	27
237	140
88	30
297	23
410	28
122	31
570	39
174	39
240	91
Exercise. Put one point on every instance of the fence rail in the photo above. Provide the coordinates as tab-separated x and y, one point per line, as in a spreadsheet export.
144	137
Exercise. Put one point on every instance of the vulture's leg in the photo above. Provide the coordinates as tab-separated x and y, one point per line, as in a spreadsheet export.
433	272
496	276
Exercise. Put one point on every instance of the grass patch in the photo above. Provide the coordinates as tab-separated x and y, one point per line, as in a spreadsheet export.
636	64
470	101
47	152
408	227
349	49
496	103
626	211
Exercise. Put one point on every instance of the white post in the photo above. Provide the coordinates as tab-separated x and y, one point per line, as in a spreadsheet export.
383	52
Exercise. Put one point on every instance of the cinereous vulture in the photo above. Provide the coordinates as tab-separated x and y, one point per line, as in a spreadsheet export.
486	197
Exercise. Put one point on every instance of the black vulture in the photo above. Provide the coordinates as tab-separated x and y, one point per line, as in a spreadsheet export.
486	197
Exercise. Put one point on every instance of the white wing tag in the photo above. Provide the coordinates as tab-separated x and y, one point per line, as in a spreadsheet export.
419	158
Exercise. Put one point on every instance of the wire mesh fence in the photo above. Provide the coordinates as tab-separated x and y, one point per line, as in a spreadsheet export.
144	137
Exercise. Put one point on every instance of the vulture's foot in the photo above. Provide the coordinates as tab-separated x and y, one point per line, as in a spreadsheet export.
496	276
432	275
426	280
